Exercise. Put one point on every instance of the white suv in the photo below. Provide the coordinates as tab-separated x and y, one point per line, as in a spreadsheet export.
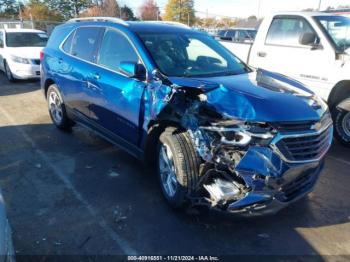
20	52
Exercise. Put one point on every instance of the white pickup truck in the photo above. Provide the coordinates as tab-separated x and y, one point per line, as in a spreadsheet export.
313	48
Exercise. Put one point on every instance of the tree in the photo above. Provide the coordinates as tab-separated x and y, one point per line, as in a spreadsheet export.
226	22
209	22
38	10
149	11
253	18
69	8
9	8
180	11
127	14
110	8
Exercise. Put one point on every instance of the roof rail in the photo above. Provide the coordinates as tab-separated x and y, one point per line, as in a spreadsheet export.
169	23
99	19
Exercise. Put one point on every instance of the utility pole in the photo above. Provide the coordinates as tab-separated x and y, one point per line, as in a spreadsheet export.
259	6
76	10
180	10
20	13
319	5
120	10
188	18
157	10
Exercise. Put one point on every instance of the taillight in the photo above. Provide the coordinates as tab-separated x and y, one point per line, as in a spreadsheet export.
42	54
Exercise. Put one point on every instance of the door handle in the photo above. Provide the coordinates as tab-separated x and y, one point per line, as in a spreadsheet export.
262	54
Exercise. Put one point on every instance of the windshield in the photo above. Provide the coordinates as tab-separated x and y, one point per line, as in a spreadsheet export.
21	39
191	55
338	28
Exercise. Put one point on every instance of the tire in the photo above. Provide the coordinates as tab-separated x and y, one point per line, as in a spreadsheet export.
57	109
341	119
185	163
8	73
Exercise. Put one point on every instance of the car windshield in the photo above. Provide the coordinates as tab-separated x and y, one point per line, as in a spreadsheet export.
191	55
338	28
20	39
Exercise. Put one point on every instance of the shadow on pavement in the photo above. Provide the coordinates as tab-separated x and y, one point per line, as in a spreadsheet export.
128	198
19	87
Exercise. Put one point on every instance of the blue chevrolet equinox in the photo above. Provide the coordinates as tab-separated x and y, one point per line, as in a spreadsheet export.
219	133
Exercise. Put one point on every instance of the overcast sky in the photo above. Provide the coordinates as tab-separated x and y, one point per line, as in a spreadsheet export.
245	8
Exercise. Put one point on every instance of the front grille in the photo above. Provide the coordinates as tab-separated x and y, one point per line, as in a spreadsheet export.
285	127
298	186
305	148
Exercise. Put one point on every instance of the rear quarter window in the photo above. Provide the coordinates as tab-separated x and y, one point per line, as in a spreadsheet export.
67	46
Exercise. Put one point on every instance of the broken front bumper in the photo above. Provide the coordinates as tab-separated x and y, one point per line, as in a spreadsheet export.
274	183
269	177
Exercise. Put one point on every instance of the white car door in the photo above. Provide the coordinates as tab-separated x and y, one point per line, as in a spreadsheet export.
2	47
283	52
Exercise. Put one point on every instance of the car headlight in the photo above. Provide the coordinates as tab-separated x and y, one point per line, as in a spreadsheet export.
240	133
19	60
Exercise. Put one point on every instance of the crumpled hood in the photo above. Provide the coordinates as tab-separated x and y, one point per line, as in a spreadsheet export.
258	96
25	52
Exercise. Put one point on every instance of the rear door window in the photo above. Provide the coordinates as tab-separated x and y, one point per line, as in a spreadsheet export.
287	31
85	42
115	48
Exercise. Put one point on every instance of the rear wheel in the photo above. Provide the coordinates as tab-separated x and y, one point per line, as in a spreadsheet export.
341	120
8	73
57	109
178	166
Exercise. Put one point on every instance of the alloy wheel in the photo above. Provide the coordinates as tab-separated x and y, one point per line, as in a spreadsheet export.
167	170
55	106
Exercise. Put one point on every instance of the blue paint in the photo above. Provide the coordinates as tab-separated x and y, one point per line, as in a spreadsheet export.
121	107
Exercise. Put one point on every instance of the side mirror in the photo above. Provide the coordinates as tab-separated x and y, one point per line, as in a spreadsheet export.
158	76
1	44
133	70
310	39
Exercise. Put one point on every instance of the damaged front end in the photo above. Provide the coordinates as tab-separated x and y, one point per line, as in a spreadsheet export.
256	168
248	167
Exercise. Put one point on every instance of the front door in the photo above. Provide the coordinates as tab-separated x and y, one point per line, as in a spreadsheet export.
116	100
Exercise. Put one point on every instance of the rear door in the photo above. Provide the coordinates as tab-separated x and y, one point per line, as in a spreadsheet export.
75	67
116	98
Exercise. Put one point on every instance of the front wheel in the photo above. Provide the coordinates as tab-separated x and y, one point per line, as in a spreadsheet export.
341	119
178	166
8	73
57	109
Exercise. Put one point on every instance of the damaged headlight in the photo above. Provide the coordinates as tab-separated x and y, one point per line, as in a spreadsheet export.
242	134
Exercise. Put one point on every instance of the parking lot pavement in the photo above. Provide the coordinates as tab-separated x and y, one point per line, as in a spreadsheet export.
73	193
